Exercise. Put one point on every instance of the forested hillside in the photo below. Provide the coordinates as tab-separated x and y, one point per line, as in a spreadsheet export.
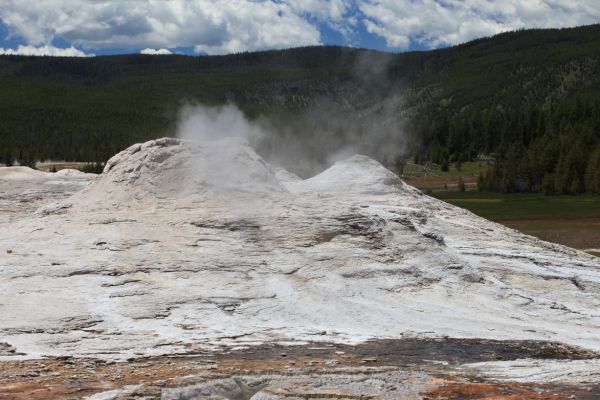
527	100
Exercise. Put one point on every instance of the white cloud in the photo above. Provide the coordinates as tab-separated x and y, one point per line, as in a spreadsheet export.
44	51
162	52
209	26
242	26
435	23
323	10
217	27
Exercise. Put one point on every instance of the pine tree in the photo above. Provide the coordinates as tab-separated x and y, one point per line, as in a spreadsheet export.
445	166
571	166
480	183
548	183
592	173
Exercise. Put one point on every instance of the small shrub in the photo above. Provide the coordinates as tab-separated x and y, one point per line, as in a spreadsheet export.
92	168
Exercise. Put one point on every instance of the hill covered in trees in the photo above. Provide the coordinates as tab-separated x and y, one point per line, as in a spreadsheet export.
528	100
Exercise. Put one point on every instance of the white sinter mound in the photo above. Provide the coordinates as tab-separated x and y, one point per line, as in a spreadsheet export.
180	245
355	175
170	170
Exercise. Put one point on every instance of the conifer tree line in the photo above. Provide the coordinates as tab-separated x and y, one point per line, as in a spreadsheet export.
554	150
527	102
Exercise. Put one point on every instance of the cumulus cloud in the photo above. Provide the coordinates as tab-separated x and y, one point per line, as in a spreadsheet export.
338	15
434	23
161	52
44	51
210	27
244	25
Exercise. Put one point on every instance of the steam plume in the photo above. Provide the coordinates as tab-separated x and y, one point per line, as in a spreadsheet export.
325	132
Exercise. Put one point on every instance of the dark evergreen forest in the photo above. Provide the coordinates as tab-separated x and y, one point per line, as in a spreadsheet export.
528	101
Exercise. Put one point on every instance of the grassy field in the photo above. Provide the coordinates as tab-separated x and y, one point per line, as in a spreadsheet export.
570	220
47	166
468	168
432	177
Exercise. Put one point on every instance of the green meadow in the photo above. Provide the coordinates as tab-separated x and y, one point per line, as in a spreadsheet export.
570	220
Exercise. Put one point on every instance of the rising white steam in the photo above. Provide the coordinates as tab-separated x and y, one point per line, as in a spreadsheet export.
313	141
366	116
204	123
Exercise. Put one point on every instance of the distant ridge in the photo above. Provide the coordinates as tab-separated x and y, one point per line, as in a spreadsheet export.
480	97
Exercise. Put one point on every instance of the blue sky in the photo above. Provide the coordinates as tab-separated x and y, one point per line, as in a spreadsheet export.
99	27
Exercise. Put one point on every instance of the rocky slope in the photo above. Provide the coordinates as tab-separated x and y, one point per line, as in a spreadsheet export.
182	247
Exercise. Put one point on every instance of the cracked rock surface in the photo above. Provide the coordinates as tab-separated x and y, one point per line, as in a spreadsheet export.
180	246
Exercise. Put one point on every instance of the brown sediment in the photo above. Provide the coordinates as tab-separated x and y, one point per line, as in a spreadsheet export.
578	232
73	378
441	183
509	391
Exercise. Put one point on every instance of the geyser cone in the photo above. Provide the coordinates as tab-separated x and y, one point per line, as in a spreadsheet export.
174	170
